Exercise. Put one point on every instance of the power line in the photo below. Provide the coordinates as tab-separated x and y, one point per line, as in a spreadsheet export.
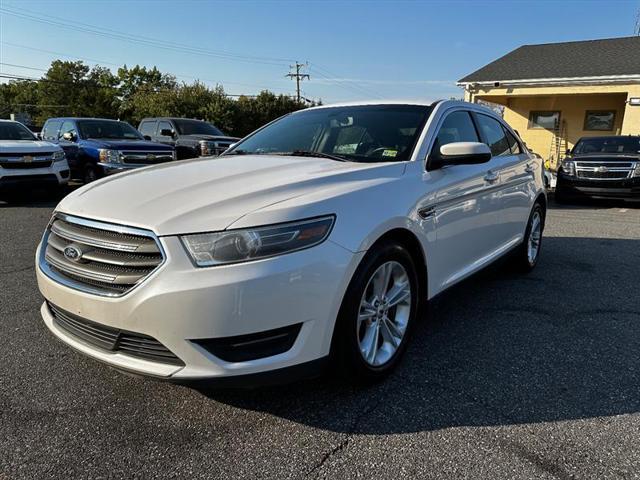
132	38
298	76
98	62
13	76
350	85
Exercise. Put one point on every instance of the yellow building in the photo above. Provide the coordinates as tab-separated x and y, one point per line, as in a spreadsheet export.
555	93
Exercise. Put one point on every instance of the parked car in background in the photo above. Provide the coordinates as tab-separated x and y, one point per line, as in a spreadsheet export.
96	147
283	251
26	161
601	167
191	138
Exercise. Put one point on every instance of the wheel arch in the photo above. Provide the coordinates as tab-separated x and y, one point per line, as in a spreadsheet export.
408	239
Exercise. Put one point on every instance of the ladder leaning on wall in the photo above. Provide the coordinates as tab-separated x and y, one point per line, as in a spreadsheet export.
558	145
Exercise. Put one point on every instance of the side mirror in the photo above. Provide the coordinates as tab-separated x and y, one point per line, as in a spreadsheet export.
69	136
462	153
147	137
166	132
568	152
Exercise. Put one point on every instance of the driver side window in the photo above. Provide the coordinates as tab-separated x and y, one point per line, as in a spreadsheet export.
67	127
457	127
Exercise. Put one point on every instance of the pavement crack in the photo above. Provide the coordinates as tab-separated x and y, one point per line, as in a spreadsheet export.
17	270
342	445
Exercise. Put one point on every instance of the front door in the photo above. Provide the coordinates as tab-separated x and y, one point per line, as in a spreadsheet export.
463	206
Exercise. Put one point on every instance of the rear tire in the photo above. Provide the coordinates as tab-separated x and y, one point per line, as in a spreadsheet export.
527	255
377	314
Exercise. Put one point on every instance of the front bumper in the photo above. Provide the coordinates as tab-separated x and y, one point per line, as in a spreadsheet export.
178	304
628	188
55	175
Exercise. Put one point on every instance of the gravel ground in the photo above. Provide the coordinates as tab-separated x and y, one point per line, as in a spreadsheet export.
510	376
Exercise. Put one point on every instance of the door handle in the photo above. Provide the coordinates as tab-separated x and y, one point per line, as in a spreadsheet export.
491	177
529	168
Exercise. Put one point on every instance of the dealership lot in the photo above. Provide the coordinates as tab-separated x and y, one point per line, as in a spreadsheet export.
509	377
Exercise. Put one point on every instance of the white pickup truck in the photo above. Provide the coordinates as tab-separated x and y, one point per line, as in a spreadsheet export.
26	162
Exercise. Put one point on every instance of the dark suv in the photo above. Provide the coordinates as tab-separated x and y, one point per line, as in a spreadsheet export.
191	138
95	147
601	167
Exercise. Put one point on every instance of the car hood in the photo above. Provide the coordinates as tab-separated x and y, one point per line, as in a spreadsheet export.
605	157
207	195
27	146
222	138
135	145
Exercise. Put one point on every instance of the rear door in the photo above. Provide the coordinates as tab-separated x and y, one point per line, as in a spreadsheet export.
463	207
516	178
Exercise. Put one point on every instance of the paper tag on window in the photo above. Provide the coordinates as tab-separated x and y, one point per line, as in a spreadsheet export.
389	153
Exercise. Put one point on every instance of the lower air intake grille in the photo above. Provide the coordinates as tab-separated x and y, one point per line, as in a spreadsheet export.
113	339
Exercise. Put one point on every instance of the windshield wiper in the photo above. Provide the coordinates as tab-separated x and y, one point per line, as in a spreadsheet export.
308	153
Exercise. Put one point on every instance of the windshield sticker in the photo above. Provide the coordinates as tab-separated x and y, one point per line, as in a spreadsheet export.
389	153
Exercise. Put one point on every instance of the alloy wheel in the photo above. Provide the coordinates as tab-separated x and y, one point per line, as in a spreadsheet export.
535	236
385	310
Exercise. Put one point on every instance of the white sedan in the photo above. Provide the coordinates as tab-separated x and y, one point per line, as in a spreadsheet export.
316	237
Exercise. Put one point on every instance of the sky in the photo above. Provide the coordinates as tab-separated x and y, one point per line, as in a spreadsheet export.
355	50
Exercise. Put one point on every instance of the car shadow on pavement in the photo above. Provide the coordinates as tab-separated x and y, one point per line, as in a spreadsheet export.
501	348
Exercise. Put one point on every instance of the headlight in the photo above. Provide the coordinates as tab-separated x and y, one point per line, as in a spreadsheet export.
58	156
569	167
636	171
207	148
232	246
110	156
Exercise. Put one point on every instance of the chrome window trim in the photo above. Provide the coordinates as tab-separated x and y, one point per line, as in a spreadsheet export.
111	227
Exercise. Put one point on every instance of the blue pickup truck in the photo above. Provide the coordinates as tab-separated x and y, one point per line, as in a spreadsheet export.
96	147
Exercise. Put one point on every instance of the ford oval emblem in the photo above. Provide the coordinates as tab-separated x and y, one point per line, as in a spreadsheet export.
72	253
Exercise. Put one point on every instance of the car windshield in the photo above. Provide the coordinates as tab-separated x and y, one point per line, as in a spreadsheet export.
196	127
371	133
608	145
109	129
15	131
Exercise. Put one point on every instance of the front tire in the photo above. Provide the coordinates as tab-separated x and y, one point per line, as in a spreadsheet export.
377	314
526	256
89	174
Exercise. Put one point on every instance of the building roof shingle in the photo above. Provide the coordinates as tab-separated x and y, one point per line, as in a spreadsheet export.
591	58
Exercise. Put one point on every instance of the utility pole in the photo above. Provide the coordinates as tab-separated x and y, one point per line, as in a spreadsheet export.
637	28
298	76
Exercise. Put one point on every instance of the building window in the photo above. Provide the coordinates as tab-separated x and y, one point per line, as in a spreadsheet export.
602	120
546	120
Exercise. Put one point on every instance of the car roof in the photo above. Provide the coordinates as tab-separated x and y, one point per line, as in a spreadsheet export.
172	118
605	137
85	118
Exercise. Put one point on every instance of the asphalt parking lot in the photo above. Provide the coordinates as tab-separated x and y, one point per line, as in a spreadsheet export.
510	376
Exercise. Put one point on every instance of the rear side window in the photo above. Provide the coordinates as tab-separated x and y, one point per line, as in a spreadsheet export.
50	130
457	127
148	128
493	135
514	146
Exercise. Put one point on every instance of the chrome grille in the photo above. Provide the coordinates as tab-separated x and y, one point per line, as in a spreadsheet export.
113	339
98	257
603	170
145	158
